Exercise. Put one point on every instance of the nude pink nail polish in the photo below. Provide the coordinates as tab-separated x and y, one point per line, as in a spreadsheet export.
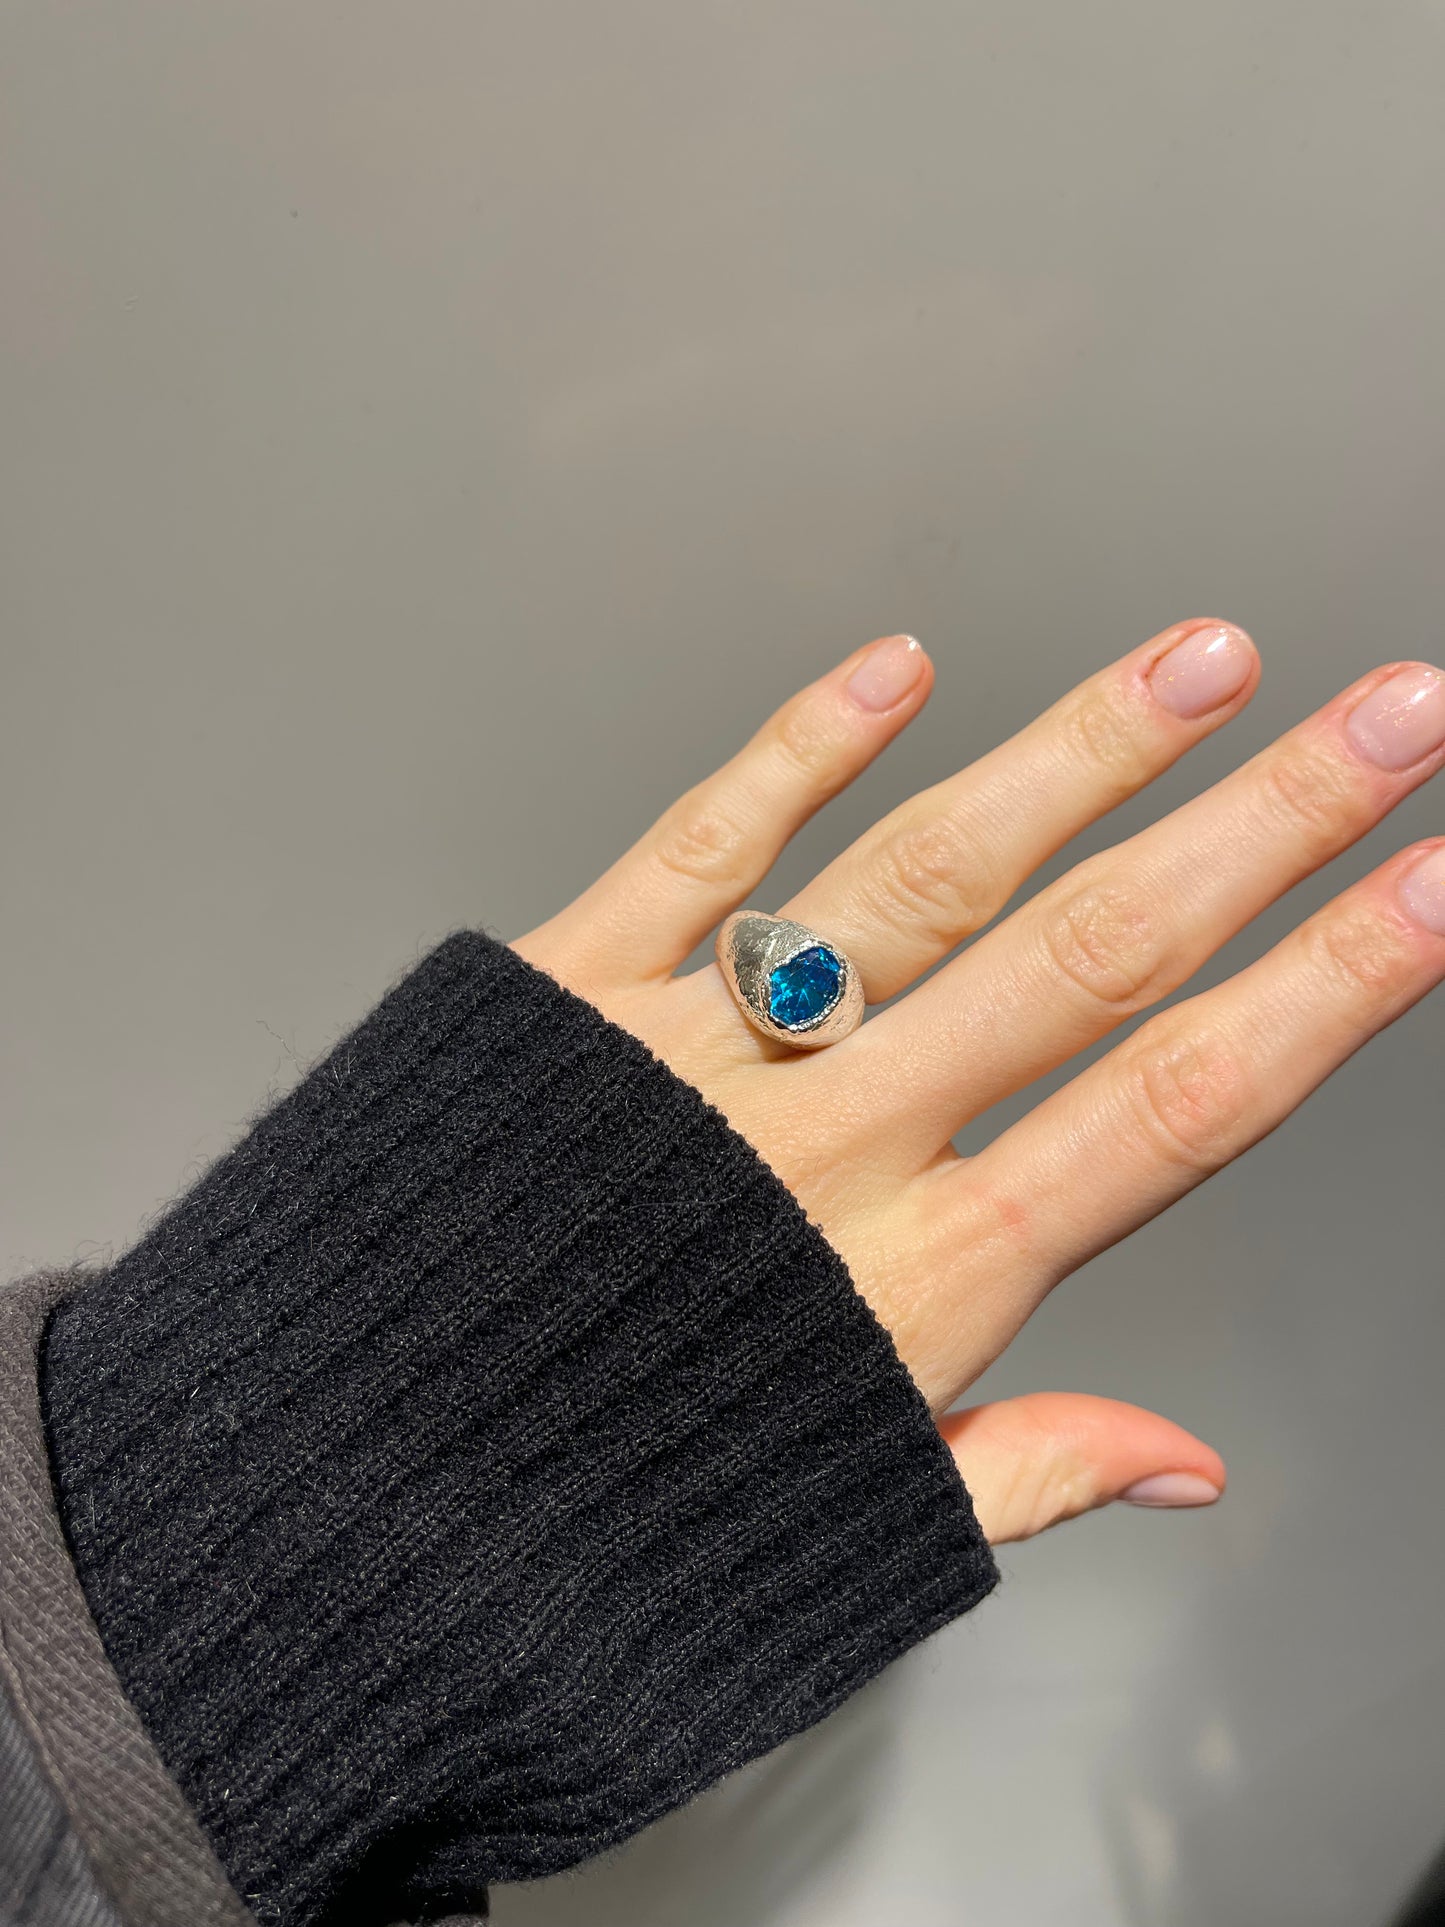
1171	1488
1402	720
1203	671
887	673
1422	892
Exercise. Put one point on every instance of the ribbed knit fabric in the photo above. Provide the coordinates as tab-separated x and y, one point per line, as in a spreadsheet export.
484	1456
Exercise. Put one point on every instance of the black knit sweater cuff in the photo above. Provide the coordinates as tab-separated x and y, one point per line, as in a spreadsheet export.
484	1456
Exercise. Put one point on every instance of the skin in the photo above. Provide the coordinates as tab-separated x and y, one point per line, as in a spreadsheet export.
955	1254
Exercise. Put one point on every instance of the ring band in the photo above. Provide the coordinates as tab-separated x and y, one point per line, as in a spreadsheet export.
790	983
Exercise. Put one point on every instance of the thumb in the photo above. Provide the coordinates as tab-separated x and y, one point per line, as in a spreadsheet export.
1032	1462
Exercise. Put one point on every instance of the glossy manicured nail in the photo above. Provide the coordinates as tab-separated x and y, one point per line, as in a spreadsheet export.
1422	891
1171	1488
1203	671
1402	720
887	673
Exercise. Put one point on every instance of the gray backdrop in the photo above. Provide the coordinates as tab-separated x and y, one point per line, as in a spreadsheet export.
431	431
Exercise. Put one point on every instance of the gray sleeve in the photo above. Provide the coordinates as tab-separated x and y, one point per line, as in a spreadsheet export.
45	1878
93	1832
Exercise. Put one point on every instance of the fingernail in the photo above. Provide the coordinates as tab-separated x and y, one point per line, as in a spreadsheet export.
887	673
1422	891
1203	671
1171	1488
1402	720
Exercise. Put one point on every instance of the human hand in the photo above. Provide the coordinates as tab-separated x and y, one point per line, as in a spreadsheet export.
954	1254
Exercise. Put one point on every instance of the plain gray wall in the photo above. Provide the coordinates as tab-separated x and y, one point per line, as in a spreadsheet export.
433	433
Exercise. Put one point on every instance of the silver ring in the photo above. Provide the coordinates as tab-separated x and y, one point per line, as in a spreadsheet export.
790	983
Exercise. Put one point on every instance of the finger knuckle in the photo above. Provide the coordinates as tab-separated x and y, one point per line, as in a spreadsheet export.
701	841
1105	728
1359	953
1189	1092
1312	792
985	1218
807	746
1104	937
1037	1492
1036	1476
934	876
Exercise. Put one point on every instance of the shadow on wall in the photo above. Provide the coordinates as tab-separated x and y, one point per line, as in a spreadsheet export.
742	1851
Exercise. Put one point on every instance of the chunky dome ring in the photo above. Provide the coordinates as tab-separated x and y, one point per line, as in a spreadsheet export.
790	983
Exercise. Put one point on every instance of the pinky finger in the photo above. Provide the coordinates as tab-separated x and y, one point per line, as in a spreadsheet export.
1032	1462
1204	1080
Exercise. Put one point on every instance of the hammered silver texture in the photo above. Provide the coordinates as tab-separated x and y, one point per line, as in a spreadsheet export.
750	945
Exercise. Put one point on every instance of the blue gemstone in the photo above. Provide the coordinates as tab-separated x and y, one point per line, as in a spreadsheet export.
806	987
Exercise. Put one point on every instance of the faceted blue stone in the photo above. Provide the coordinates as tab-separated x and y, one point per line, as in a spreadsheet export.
806	987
